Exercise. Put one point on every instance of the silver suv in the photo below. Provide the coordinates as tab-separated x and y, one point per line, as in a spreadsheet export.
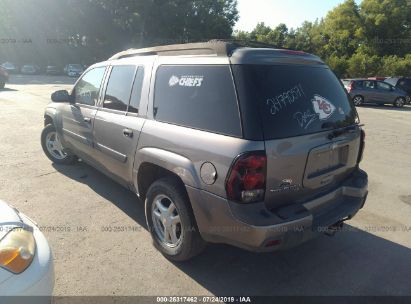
254	147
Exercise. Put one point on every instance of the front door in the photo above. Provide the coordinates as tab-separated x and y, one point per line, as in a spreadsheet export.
78	117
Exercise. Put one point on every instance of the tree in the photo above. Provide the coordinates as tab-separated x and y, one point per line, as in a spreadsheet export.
387	25
342	30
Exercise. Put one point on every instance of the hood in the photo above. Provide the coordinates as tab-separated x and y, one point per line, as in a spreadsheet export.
9	217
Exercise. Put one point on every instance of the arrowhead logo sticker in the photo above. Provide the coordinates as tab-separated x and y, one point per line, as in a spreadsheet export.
322	107
173	81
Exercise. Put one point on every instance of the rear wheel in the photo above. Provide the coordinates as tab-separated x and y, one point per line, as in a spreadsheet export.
399	102
52	147
358	100
171	221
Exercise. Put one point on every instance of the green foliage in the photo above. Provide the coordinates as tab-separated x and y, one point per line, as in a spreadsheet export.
361	65
356	41
387	26
65	30
339	65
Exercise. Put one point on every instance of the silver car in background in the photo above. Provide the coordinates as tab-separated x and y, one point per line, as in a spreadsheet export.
373	91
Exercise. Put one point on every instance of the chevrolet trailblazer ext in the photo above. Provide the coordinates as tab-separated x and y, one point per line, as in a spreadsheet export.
254	147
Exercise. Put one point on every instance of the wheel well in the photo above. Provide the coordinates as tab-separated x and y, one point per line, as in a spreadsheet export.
48	120
148	173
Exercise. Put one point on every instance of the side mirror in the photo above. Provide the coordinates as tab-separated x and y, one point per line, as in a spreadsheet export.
61	96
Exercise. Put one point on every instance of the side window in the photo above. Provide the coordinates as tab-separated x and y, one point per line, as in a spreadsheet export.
383	86
136	93
88	88
358	84
407	84
369	84
201	97
119	87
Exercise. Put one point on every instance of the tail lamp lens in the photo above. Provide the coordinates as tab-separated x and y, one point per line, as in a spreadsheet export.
350	87
246	181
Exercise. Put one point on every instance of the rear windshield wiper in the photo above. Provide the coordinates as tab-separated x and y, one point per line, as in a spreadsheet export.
338	132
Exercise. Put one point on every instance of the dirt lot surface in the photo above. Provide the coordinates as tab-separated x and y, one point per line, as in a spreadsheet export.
101	246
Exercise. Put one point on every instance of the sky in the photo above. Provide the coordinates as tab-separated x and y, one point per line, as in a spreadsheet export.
291	12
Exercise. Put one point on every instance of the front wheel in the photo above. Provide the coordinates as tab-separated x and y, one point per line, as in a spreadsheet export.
52	147
171	221
399	102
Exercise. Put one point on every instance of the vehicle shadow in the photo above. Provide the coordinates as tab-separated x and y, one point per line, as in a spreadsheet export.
354	262
7	90
406	108
124	199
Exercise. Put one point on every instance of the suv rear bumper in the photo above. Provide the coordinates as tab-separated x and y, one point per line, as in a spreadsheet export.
255	228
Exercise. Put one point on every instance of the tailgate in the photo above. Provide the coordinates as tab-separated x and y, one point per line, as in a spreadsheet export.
300	168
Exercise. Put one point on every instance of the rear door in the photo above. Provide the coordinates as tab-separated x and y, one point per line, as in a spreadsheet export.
117	124
301	108
370	91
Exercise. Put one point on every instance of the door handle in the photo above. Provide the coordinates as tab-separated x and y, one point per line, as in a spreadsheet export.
87	119
128	133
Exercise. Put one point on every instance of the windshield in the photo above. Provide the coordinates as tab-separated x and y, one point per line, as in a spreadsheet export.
295	100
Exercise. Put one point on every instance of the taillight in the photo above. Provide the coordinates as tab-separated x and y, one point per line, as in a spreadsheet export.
362	146
247	178
350	87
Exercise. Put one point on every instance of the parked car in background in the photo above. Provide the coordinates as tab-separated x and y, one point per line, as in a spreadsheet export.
4	77
26	262
10	67
74	69
53	70
282	170
30	69
372	91
403	83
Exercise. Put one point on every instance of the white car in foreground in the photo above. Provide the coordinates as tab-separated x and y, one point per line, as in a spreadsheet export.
26	262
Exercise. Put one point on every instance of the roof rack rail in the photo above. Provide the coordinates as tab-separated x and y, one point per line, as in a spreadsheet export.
217	47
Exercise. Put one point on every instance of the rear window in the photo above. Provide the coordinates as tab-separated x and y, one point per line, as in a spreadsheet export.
295	100
200	97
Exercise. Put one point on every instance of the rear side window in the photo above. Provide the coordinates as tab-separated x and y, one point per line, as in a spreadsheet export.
369	84
295	100
358	84
201	97
119	87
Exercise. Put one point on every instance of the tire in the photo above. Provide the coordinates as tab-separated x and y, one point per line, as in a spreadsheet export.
399	102
64	157
187	241
358	100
